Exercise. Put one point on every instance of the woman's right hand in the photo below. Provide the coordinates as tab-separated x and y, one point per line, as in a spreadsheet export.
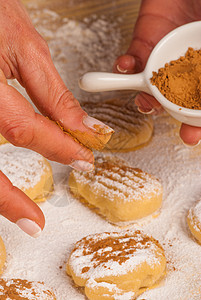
156	19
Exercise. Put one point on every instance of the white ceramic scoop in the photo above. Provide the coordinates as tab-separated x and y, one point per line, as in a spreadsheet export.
171	47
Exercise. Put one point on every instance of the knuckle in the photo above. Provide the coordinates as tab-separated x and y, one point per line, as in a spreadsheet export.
36	46
66	101
19	136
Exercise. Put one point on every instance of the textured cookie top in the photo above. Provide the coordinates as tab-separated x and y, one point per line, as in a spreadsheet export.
119	114
113	254
23	167
194	216
112	178
18	289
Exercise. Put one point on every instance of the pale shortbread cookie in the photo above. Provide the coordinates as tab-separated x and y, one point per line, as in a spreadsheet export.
119	192
116	265
132	129
14	289
2	140
194	221
27	170
2	255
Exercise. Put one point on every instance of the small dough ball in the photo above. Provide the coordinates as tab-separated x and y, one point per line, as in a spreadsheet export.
23	289
194	221
116	265
2	255
119	192
132	129
28	171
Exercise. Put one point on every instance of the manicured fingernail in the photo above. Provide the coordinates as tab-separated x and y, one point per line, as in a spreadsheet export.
82	165
191	145
145	111
29	227
96	125
121	70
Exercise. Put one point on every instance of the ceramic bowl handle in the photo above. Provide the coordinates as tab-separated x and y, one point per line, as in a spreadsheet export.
102	82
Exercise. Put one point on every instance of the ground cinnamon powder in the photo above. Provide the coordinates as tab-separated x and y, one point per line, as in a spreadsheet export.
180	80
14	289
115	246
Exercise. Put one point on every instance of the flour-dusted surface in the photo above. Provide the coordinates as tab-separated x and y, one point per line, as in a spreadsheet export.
23	167
67	221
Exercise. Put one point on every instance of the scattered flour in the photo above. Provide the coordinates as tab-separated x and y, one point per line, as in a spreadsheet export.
177	166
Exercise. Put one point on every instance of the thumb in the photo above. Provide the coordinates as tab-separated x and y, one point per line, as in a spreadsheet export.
190	135
19	209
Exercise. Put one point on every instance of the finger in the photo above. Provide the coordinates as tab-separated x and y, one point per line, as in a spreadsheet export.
19	209
190	135
2	77
49	93
147	104
20	125
156	19
124	64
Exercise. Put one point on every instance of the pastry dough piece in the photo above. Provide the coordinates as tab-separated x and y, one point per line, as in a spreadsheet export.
194	221
132	129
120	193
27	170
116	265
22	289
2	255
2	140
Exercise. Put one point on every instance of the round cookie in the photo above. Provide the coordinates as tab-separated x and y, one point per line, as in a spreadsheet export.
27	170
2	255
132	129
194	221
116	265
23	289
118	192
2	140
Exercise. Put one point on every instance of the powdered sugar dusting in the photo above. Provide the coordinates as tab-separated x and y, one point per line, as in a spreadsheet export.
132	245
23	167
22	289
113	179
118	294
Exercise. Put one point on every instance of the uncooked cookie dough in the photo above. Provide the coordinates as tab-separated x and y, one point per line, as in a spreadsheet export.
194	220
27	170
2	255
118	192
2	140
116	265
14	289
132	129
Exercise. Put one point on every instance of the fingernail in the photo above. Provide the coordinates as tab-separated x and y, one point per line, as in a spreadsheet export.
191	145
82	165
121	70
145	111
96	125
29	227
